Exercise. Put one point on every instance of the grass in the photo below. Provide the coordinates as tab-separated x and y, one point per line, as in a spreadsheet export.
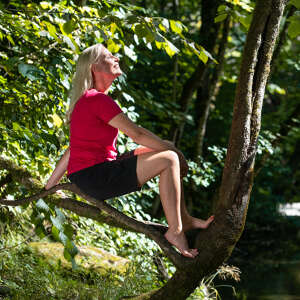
30	276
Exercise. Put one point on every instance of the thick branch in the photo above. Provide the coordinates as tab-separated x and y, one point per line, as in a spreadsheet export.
263	70
248	100
281	39
78	207
149	229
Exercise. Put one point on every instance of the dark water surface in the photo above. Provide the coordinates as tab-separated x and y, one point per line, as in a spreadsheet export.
273	280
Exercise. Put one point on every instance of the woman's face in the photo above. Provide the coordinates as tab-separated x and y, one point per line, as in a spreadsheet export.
108	65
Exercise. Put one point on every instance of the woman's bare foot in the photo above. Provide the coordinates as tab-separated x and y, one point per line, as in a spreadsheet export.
179	241
193	223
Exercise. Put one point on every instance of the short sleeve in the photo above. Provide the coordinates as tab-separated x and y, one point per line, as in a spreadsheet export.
105	107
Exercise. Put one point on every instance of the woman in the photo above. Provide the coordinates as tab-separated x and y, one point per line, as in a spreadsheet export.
92	161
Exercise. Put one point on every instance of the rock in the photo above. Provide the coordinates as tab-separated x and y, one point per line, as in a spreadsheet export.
4	290
88	257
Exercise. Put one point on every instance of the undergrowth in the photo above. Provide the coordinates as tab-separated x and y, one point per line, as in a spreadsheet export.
26	275
31	277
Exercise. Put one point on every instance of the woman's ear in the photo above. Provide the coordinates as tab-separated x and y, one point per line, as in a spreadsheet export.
93	68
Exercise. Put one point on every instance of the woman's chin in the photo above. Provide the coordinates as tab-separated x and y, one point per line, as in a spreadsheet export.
118	73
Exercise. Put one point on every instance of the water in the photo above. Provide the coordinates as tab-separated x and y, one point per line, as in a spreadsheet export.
269	280
290	209
274	280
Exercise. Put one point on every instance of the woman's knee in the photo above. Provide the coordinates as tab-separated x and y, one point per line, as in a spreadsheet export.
171	157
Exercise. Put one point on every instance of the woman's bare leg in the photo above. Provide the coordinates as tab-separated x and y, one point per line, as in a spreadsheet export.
189	222
166	164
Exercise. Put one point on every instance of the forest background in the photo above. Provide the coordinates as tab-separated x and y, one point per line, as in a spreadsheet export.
181	61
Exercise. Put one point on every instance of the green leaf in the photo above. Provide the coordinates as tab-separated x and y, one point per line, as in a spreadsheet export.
72	249
10	39
112	46
69	42
69	231
294	27
130	53
74	265
68	27
202	55
29	71
63	238
113	28
67	255
57	121
165	23
221	8
159	45
42	205
162	28
295	3
220	18
55	233
60	216
45	5
170	48
127	97
16	127
51	29
176	26
40	231
245	21
56	222
143	31
159	38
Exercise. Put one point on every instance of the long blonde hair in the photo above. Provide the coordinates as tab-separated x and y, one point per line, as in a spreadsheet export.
83	78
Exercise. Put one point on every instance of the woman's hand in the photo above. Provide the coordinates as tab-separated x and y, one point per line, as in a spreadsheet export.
147	139
50	184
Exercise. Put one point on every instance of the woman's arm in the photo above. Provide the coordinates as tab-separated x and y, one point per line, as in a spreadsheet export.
146	138
59	170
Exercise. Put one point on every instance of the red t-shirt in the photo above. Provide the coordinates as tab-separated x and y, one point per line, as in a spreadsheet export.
92	140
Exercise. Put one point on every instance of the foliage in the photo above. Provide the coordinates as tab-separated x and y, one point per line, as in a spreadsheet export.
157	44
28	275
43	42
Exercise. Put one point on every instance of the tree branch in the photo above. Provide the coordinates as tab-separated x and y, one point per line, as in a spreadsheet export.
152	230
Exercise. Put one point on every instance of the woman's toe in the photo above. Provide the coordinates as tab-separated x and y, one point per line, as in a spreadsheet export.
194	251
187	253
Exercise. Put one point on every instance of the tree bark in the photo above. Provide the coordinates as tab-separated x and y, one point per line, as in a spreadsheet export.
208	92
208	35
281	39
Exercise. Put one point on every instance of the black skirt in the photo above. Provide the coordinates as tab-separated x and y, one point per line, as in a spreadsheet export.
108	179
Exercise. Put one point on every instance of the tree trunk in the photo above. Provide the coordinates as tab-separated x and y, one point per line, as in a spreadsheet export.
208	92
281	39
208	35
236	183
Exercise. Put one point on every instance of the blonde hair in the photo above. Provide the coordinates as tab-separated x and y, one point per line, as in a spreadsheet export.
83	79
